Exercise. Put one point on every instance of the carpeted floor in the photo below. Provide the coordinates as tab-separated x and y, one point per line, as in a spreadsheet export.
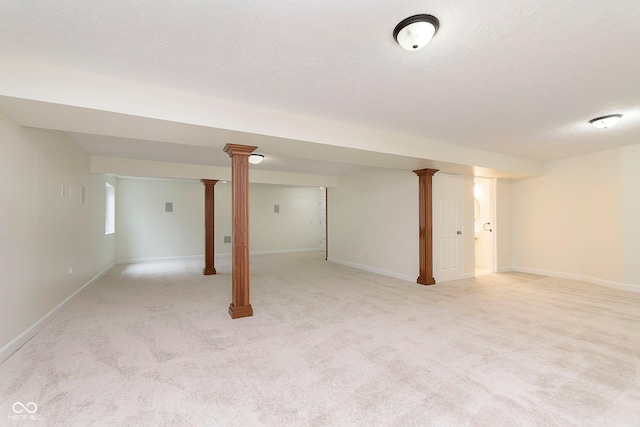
153	344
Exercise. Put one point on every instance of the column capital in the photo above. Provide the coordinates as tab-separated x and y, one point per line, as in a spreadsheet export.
425	172
209	181
241	150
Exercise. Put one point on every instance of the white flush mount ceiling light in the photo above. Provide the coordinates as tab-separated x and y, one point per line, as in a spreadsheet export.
254	159
416	31
606	121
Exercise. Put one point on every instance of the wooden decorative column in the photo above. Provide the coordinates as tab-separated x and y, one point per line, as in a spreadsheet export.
209	226
240	306
425	177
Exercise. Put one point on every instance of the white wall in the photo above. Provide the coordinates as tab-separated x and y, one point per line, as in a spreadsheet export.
569	221
295	227
44	233
467	226
373	221
545	217
146	231
600	234
503	224
630	175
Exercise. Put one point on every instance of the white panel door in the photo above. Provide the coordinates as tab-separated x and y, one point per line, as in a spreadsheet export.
447	227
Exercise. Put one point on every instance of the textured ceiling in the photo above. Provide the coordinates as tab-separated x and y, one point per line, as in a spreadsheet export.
517	78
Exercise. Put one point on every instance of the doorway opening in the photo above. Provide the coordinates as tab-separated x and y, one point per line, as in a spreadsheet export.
484	225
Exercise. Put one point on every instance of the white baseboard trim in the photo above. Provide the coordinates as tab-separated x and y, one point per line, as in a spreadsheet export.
15	344
370	269
221	255
285	251
580	277
168	258
462	277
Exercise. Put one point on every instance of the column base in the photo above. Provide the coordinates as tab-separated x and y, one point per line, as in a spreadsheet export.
426	280
243	311
208	271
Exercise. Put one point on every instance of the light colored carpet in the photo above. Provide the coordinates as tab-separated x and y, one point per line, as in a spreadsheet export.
152	344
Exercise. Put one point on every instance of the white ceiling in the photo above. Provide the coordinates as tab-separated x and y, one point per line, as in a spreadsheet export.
510	77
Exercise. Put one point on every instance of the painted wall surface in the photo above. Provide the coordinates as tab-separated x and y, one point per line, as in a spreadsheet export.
146	231
600	236
373	221
294	227
569	220
467	226
503	224
545	217
630	157
51	243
